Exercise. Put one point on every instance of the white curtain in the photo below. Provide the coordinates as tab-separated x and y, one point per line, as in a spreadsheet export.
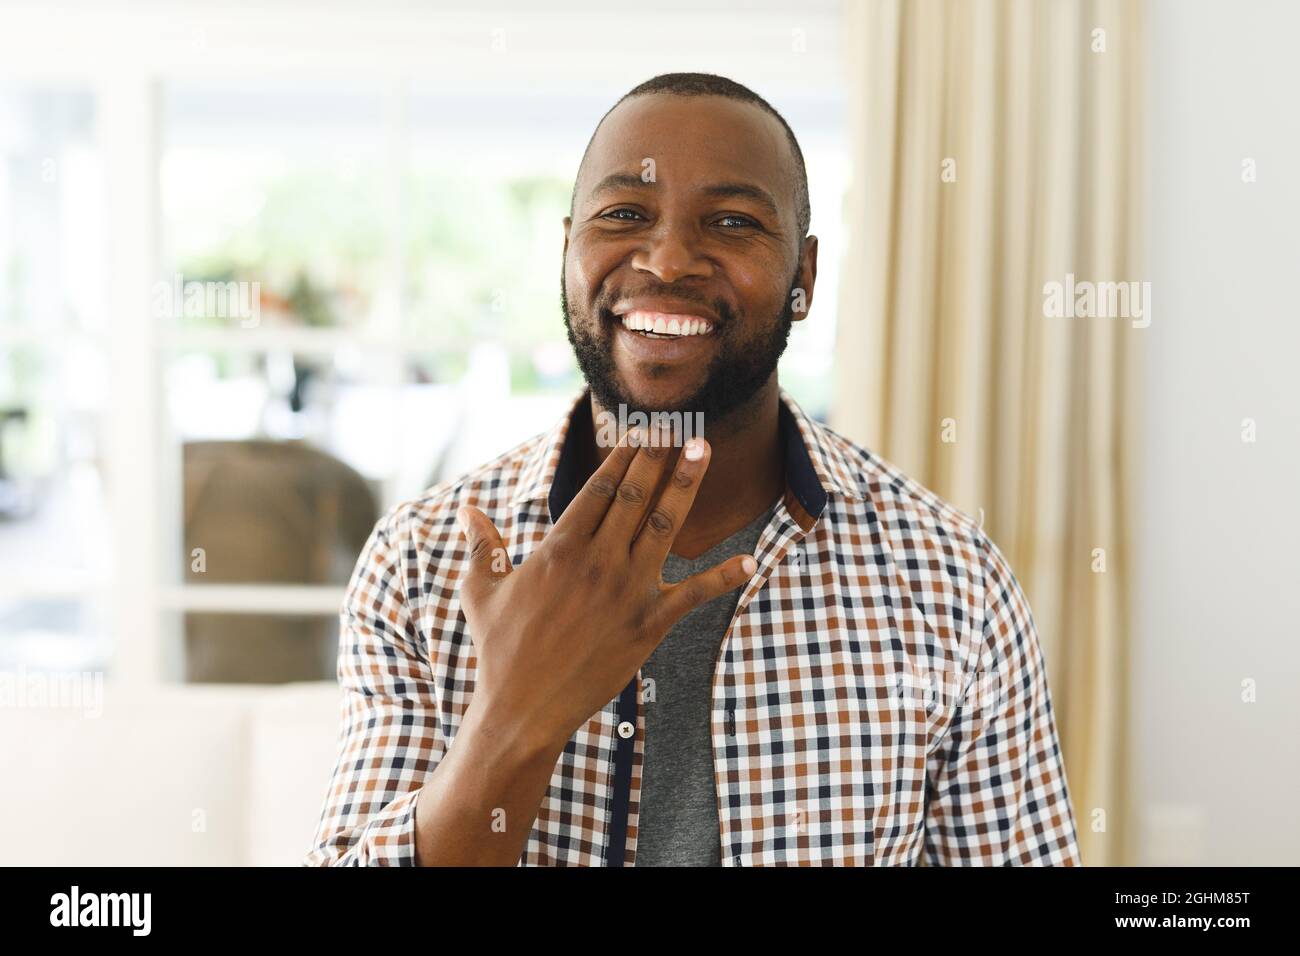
997	147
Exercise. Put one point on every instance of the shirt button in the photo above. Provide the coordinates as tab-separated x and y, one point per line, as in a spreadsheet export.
626	730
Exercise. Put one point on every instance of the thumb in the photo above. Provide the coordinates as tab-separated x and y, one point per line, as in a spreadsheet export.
488	559
682	598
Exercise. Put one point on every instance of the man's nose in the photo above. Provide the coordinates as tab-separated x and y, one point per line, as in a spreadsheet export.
672	252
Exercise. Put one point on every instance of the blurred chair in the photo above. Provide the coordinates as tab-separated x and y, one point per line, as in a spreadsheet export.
268	512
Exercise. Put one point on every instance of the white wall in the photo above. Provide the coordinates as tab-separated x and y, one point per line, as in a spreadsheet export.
1218	596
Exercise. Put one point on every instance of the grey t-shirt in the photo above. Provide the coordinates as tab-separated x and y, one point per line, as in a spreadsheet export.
678	824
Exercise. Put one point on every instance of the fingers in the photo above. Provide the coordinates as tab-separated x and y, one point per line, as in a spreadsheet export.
636	492
678	600
669	513
488	559
585	513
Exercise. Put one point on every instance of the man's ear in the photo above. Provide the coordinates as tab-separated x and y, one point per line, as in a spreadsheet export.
568	221
807	277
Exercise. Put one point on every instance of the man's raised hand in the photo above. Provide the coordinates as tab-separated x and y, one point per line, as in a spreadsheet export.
560	636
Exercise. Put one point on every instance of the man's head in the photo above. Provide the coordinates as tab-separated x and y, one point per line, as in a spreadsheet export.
691	203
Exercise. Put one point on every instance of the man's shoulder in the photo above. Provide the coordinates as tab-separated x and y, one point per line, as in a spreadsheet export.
895	496
911	518
935	547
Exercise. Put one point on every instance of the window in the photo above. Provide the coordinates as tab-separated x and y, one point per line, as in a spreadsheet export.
352	294
53	531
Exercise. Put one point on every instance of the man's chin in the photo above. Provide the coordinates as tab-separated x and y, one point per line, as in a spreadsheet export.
650	398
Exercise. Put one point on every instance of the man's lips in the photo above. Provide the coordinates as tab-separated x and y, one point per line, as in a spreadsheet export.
694	336
671	324
663	330
663	316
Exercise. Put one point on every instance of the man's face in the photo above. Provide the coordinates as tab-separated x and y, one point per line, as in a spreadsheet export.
684	220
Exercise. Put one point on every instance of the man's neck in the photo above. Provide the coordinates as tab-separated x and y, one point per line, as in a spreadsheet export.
746	472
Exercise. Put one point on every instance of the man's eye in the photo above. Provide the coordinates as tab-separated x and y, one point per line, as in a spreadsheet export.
737	222
622	215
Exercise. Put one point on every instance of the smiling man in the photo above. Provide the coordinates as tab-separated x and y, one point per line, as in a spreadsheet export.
765	646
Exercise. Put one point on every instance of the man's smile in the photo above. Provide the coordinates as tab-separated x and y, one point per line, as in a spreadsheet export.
663	337
662	330
665	324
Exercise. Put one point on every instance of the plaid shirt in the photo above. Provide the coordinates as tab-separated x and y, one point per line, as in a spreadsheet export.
879	698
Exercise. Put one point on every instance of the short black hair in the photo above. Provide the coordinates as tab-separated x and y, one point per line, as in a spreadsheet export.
710	84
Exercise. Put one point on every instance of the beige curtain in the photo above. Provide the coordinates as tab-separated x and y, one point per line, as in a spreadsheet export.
997	148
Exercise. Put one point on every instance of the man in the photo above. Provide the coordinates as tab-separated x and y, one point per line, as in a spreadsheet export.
764	647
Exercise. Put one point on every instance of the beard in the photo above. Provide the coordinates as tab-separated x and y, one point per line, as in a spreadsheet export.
734	375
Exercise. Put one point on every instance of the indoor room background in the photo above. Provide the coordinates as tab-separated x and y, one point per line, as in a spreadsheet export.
185	484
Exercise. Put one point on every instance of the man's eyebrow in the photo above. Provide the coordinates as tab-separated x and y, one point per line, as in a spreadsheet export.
618	181
742	191
756	194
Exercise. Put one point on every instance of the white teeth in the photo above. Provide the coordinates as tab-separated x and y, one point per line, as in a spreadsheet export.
661	324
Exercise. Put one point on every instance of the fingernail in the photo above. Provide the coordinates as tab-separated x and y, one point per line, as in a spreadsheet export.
461	519
749	564
694	450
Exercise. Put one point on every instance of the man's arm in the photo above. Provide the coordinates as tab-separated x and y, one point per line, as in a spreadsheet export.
389	738
998	793
394	785
555	640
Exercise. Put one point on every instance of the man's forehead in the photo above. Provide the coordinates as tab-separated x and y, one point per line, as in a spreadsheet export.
702	136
